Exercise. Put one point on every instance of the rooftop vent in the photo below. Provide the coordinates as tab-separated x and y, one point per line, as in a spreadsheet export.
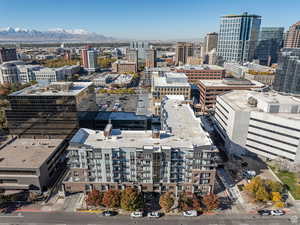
252	101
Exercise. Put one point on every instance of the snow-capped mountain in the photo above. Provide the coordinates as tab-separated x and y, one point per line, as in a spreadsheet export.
10	34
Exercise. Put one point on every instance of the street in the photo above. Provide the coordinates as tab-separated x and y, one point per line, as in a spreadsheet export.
77	218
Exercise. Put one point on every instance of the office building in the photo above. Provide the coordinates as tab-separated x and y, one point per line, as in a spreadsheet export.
269	44
141	47
201	72
178	158
292	39
238	37
210	89
133	56
7	54
166	84
31	164
89	59
210	42
122	66
183	51
150	58
49	111
287	78
267	124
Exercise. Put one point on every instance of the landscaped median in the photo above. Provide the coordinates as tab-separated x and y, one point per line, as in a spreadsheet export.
290	179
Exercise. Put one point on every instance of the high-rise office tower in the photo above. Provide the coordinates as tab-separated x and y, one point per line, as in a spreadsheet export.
238	37
269	45
133	56
150	58
210	42
7	54
287	77
140	46
183	51
89	59
293	36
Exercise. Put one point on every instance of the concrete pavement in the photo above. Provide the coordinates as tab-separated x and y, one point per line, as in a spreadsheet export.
77	218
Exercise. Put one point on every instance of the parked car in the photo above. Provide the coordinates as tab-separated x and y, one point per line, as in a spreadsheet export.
109	213
190	213
277	212
136	214
154	214
264	212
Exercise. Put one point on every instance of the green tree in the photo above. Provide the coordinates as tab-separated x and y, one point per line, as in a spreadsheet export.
94	198
111	199
131	199
166	201
211	201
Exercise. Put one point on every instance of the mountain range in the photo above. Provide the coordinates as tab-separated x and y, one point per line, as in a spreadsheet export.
10	34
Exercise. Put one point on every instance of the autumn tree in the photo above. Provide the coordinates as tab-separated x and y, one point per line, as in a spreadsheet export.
166	201
262	194
211	201
94	198
196	203
276	196
131	199
274	186
185	202
254	185
111	199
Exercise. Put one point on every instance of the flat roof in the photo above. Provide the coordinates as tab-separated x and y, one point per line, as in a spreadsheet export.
200	67
161	80
186	132
47	90
231	82
27	153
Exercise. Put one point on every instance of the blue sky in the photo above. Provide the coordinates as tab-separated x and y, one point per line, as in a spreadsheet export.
142	19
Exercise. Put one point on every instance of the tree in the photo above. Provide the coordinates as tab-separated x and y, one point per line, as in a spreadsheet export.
279	204
166	201
185	202
276	197
262	194
111	199
196	203
94	198
131	199
211	201
254	185
274	186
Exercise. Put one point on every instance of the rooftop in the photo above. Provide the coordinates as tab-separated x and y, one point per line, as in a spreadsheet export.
54	89
200	67
231	82
27	153
171	79
123	62
267	102
186	132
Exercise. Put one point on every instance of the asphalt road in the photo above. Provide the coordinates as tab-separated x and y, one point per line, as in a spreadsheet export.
76	218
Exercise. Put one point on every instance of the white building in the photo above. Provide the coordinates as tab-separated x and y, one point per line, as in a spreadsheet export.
267	124
50	74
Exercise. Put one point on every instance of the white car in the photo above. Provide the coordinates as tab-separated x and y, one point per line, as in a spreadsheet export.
190	213
277	212
136	214
153	214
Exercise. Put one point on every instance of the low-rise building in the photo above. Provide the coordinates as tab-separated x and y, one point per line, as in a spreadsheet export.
169	83
267	124
122	66
200	72
179	158
210	89
31	164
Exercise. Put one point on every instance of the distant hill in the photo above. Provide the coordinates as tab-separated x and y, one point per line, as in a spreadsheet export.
55	35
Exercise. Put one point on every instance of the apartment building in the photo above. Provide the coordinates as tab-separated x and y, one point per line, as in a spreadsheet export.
168	83
183	51
210	89
267	124
179	158
293	36
122	66
201	72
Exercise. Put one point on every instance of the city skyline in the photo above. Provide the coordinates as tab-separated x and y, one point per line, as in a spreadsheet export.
165	20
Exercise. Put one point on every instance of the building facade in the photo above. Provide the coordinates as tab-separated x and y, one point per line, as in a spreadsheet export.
89	59
133	56
292	39
210	42
269	44
150	58
121	66
7	54
238	37
49	111
152	161
183	51
210	89
287	78
266	124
